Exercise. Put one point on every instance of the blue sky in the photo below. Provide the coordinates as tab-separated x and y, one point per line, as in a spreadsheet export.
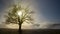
50	9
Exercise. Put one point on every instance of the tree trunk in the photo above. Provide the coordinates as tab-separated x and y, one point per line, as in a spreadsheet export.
20	31
20	24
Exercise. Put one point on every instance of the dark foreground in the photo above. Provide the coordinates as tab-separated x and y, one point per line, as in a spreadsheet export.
32	31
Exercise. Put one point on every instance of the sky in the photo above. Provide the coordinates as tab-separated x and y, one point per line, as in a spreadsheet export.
47	13
50	9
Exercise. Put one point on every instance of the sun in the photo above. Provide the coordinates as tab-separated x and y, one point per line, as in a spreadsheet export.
19	13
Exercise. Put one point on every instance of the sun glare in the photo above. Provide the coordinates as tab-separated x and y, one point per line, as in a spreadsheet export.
19	13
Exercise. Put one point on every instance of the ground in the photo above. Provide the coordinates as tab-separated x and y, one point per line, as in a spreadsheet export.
32	31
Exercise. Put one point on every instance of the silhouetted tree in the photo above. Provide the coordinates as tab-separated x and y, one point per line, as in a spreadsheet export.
13	17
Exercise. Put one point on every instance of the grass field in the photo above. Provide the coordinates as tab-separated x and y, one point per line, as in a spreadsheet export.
30	31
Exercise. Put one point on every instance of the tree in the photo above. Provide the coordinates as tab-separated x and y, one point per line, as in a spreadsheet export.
19	15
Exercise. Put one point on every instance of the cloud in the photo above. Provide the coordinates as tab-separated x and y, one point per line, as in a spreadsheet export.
30	26
54	26
3	25
16	26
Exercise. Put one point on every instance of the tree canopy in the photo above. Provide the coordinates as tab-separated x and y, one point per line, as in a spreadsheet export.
12	16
